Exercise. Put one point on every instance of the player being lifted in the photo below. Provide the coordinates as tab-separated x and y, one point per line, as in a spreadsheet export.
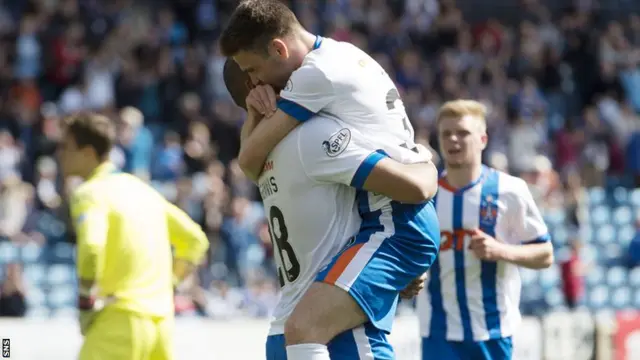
308	237
490	225
336	80
125	231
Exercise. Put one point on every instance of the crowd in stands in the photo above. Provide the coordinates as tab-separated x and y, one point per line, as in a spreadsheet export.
561	80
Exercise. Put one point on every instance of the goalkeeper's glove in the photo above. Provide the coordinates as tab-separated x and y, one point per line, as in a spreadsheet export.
89	306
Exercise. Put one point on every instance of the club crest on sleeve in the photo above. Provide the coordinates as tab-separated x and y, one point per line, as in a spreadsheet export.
289	86
337	143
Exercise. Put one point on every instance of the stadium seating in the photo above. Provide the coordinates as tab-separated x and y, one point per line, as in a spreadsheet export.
606	236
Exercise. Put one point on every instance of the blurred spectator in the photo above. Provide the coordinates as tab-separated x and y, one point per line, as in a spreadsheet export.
46	183
198	152
634	247
136	143
575	201
47	133
75	97
28	63
525	142
168	164
12	293
544	183
573	270
13	205
221	301
68	51
187	199
244	252
262	297
99	78
595	149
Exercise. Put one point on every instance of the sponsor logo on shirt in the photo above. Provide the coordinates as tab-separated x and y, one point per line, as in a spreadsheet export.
337	143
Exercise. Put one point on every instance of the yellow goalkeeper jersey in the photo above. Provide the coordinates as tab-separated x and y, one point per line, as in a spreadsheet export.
125	230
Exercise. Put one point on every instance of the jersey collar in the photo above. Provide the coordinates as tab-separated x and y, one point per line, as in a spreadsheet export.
105	168
445	185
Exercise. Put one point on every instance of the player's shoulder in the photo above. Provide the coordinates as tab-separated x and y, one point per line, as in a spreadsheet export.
510	187
82	193
90	190
89	193
133	186
321	127
328	58
325	136
508	182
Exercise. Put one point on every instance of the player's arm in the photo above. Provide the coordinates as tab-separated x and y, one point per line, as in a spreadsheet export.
188	240
531	256
408	183
239	85
308	90
248	126
259	138
350	160
90	219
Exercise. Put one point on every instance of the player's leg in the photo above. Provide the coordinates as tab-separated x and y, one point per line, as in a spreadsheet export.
363	342
116	334
315	323
163	348
434	348
361	284
276	348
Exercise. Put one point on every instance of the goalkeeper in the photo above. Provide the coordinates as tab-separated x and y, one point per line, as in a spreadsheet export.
125	231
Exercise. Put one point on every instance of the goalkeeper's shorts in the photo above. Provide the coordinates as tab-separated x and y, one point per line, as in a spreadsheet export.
119	334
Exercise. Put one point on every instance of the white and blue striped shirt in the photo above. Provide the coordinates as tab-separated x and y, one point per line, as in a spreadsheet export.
467	299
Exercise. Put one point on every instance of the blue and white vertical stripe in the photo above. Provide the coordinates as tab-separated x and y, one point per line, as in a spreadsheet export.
467	299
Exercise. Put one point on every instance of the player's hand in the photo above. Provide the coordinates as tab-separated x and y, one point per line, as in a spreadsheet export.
424	152
414	287
486	247
262	99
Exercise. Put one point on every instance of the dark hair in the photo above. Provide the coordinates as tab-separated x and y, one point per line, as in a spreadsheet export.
253	24
238	82
91	129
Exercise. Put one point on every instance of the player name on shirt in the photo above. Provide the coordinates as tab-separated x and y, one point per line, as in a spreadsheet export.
268	187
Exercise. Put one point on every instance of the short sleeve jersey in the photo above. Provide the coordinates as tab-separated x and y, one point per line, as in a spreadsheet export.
468	299
339	81
309	186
